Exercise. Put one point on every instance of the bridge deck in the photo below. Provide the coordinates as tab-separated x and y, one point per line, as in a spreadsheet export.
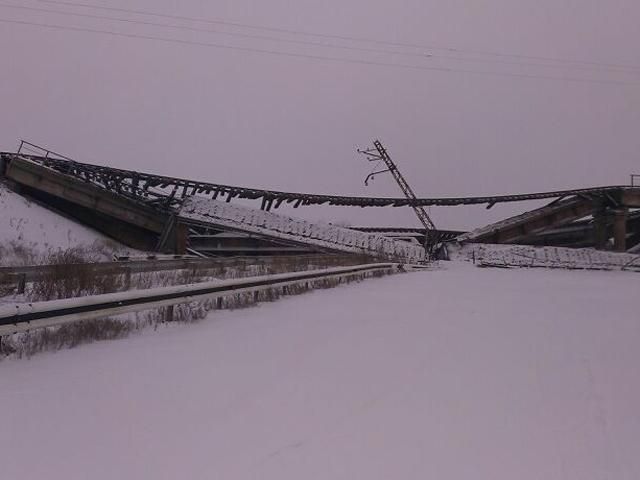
157	189
296	231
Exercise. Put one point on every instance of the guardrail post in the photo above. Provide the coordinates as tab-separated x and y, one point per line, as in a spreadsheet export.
22	282
127	279
168	314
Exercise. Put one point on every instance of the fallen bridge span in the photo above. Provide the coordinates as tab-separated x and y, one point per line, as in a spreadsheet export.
163	191
143	210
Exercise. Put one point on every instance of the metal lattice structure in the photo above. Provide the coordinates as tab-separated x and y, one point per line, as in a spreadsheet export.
379	154
163	192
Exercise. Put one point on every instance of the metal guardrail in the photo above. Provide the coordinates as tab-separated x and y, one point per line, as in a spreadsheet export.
532	262
30	273
23	317
32	148
634	263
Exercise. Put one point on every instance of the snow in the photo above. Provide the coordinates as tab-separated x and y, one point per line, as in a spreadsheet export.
456	373
548	257
274	225
31	228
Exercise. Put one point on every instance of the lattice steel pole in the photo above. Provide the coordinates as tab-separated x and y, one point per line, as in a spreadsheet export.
379	153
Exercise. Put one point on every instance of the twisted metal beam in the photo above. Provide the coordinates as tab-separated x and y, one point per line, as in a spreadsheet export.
167	193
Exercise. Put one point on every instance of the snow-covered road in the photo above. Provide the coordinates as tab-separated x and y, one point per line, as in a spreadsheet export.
461	373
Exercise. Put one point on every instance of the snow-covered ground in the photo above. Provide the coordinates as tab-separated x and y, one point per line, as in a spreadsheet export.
459	373
30	232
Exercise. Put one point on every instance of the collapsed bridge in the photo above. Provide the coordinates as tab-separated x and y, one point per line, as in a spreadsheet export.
155	212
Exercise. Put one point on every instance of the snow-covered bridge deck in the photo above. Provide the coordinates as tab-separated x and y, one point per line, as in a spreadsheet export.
323	236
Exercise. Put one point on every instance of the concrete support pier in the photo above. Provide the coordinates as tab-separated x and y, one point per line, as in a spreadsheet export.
601	235
620	229
181	238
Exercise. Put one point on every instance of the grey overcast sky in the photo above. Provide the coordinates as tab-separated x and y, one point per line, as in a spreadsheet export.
465	122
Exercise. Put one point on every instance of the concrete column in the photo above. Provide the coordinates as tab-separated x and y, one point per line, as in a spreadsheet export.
600	227
620	229
182	237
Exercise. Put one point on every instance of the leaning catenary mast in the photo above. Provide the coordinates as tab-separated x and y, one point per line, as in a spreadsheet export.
379	153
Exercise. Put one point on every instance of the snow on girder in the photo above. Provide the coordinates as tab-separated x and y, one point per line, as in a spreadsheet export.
282	227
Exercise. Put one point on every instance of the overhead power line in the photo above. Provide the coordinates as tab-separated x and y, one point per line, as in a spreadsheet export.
423	55
210	31
344	37
315	57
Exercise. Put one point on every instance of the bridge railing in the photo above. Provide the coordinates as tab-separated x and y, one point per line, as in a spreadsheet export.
33	149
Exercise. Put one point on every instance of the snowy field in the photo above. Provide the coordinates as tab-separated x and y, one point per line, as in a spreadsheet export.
462	373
